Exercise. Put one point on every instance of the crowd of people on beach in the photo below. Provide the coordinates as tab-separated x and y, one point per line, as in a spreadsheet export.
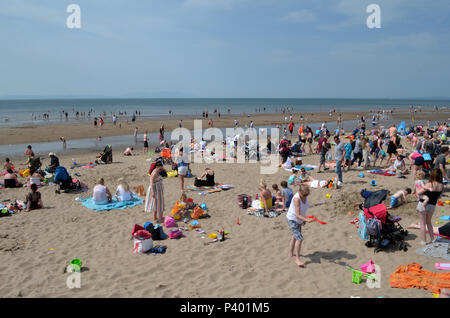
417	153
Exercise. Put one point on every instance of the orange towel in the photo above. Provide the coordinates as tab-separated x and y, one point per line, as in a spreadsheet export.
412	276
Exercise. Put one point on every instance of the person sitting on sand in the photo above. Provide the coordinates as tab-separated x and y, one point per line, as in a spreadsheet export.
101	194
294	178
279	198
209	182
399	198
8	165
399	166
123	192
54	163
304	176
265	197
128	151
34	199
296	218
287	193
10	180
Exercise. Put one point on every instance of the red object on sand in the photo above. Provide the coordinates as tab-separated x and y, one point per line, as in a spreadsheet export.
315	219
238	221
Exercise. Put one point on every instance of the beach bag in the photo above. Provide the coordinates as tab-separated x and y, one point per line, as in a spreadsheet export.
445	230
374	227
142	240
175	233
362	230
378	211
197	213
244	201
154	230
169	221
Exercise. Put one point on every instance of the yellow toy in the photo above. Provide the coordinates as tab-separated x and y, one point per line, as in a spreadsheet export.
447	202
179	207
172	174
24	173
328	196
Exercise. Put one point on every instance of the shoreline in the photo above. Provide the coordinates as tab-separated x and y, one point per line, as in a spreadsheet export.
51	133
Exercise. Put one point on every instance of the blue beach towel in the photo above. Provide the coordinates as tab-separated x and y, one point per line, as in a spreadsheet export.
114	205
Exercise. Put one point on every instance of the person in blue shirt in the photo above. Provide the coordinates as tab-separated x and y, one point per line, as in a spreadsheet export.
54	162
348	154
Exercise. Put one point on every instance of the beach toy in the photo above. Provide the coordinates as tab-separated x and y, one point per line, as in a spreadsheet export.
238	221
212	236
440	203
361	175
435	295
442	266
356	276
203	206
373	182
76	265
328	196
368	267
316	219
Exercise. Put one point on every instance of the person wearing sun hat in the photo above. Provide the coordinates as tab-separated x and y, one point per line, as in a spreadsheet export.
54	162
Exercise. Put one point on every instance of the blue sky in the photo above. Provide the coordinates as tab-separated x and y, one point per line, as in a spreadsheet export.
226	48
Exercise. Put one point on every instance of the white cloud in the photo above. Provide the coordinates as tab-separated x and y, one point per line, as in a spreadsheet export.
300	16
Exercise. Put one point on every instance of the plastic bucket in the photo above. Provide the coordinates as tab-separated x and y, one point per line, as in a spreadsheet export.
76	265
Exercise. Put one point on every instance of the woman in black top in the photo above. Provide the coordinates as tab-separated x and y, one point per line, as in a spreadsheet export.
209	182
433	192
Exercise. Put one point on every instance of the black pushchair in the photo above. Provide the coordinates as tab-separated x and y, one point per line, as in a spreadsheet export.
382	229
65	181
34	165
106	156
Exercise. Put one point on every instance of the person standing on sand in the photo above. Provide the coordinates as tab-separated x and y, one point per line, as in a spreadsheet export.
339	153
154	202
296	217
145	142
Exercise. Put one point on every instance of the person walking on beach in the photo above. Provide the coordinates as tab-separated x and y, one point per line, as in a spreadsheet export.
339	153
145	142
296	218
154	201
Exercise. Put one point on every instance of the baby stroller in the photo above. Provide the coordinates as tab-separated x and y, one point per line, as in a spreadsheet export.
64	181
377	226
34	164
106	156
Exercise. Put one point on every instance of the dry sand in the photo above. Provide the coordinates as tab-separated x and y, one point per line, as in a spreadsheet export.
252	262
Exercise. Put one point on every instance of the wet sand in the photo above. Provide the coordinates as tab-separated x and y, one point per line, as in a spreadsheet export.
49	133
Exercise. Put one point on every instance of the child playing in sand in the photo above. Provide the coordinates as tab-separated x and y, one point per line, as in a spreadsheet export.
293	179
296	218
8	165
33	199
399	198
287	193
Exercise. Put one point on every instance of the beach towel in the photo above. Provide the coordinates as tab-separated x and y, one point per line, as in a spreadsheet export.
382	173
114	205
438	248
412	276
261	213
216	188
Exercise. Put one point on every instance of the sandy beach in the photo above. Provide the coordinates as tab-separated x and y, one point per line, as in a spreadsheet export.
48	133
36	247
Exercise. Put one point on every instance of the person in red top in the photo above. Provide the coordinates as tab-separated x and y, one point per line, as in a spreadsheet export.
322	140
291	127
